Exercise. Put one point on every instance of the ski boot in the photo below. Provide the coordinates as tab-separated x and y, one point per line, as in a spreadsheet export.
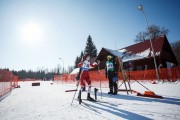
79	97
115	93
115	90
84	89
111	91
95	93
89	97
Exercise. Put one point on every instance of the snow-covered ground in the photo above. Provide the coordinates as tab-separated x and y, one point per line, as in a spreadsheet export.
51	102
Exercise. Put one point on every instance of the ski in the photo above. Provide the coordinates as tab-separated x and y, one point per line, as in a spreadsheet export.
103	102
91	108
87	105
70	90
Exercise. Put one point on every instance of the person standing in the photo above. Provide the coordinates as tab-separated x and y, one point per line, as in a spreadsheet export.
111	74
84	77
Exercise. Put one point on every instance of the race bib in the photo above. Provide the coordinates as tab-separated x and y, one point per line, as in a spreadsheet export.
86	65
110	66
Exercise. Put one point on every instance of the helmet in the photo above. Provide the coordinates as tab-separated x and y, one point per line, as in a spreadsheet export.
109	57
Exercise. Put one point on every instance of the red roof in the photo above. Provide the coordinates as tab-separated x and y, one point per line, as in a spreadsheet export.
142	46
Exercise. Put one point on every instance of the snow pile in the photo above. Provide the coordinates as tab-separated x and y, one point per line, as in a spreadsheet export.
144	53
115	52
75	71
51	102
129	56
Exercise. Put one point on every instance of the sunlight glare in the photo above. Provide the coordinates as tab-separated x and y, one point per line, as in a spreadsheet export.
31	33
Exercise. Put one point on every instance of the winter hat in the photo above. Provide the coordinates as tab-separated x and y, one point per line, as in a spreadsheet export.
109	57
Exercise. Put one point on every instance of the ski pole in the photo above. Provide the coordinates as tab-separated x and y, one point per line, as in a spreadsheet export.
75	93
100	79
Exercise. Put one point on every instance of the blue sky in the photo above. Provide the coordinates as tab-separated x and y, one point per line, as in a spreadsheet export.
59	28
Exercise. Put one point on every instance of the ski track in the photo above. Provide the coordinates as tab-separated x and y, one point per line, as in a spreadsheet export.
51	102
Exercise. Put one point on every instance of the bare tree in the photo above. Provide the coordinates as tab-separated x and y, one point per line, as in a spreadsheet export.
153	31
141	37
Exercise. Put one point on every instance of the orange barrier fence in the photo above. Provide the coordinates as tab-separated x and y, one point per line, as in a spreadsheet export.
8	81
165	74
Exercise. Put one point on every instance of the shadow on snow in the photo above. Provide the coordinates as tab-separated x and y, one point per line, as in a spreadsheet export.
119	112
168	100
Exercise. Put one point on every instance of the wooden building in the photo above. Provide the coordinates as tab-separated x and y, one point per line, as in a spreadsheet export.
140	56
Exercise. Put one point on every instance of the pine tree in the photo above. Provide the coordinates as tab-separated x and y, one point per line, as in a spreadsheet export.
90	47
78	59
82	54
76	62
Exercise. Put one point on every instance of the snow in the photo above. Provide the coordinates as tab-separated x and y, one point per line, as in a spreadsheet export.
115	52
75	71
51	102
122	50
157	53
128	56
140	55
144	53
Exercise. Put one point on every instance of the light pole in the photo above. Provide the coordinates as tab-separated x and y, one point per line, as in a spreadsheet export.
63	64
140	7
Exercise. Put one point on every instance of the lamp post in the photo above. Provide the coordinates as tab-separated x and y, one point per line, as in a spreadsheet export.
63	64
140	7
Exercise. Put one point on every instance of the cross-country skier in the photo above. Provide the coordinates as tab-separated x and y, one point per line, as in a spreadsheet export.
111	74
85	66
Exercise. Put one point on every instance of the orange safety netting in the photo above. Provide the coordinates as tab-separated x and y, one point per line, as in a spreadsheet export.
165	74
8	81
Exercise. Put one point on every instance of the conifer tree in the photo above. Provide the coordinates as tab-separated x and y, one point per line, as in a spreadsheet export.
90	47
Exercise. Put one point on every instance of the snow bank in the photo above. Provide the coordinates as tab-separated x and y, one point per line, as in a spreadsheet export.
75	71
